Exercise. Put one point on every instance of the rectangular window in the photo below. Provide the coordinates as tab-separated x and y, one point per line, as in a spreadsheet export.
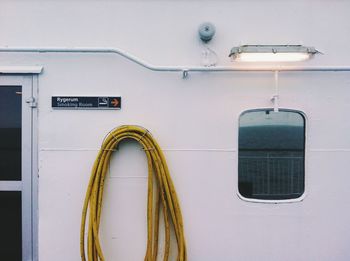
10	132
11	225
271	154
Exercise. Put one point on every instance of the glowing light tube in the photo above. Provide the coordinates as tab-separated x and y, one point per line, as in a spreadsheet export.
271	57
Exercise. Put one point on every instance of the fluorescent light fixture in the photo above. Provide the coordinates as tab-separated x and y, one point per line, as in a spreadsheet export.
272	53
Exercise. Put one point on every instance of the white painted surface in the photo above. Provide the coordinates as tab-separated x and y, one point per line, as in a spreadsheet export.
194	120
21	69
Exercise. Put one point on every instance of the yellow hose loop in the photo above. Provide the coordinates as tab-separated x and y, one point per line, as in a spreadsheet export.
164	200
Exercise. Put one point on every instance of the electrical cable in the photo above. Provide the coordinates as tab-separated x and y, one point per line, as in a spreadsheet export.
164	200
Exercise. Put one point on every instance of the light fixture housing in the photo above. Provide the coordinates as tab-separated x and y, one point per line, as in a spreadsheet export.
272	53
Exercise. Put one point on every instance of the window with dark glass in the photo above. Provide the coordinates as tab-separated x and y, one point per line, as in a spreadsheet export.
271	154
10	132
11	225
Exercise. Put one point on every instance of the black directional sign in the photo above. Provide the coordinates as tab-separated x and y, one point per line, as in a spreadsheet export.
86	102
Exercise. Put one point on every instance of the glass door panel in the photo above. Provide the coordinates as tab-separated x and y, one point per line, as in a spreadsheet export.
11	225
10	132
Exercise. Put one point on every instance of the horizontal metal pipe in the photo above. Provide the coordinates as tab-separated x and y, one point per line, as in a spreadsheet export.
184	69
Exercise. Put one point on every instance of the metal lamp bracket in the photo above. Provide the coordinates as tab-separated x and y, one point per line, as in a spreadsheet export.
275	97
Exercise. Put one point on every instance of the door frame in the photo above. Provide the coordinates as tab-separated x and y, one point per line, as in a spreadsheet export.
29	182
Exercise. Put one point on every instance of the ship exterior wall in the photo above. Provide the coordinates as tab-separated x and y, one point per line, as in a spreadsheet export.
195	120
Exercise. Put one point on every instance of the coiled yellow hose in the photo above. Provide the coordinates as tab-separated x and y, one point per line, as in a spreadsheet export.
164	198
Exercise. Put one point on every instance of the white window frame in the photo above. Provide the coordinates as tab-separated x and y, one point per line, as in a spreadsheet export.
276	201
29	182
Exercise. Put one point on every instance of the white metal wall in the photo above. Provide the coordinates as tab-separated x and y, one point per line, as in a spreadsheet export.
195	121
